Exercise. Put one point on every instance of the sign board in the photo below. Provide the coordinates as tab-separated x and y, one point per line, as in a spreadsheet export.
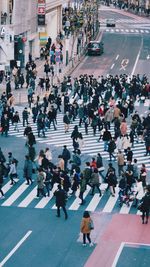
41	29
43	38
41	11
2	32
41	20
41	2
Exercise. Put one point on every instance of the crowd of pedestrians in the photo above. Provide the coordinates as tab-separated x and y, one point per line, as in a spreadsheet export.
99	103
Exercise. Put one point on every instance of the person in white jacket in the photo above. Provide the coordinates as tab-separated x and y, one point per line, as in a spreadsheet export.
12	172
140	192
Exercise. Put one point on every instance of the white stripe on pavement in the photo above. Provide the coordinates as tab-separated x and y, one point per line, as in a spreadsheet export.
15	195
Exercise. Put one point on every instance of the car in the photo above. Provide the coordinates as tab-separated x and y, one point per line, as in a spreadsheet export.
95	48
110	23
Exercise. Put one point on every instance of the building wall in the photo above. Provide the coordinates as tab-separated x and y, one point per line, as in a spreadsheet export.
53	17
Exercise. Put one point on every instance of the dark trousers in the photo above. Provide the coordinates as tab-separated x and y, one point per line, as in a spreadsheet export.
25	120
29	180
93	188
145	213
88	238
64	210
111	155
40	191
65	164
47	186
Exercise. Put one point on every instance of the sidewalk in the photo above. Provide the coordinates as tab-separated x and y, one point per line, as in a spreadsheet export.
74	60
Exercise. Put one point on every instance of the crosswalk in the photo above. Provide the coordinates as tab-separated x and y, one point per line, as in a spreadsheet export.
91	146
24	196
126	31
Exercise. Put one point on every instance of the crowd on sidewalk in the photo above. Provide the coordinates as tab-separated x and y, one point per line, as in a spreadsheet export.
99	103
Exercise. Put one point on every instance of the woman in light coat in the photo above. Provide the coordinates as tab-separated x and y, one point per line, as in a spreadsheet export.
140	192
126	142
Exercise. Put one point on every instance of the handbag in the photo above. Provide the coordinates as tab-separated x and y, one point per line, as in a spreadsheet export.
91	225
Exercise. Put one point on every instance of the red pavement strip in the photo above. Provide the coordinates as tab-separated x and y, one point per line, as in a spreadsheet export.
121	228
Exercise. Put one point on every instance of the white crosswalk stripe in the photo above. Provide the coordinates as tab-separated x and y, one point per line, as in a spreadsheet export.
126	31
104	203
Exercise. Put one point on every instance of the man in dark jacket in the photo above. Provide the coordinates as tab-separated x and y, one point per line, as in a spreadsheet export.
60	195
66	156
106	138
25	116
28	168
145	205
1	178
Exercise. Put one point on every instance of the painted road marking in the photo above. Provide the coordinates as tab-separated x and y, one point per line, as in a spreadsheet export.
117	57
76	204
29	198
6	187
111	202
15	248
94	202
15	195
112	66
44	201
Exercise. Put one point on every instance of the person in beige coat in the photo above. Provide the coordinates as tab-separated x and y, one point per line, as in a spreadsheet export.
85	228
61	163
121	161
117	112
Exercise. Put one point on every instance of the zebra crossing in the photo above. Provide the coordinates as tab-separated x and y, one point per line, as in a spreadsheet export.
22	195
91	146
126	31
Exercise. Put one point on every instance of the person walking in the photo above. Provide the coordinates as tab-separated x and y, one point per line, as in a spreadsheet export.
121	162
139	192
25	116
82	188
1	179
61	198
66	121
145	205
95	182
16	120
111	149
99	164
40	182
66	156
86	227
106	138
13	172
28	168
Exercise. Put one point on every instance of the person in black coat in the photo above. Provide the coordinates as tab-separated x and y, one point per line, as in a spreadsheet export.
1	177
66	156
60	195
145	205
111	148
129	155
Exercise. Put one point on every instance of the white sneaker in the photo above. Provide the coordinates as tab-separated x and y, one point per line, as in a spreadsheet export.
91	244
84	245
2	197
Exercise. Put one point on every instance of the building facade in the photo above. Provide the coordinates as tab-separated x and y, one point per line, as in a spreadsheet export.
19	30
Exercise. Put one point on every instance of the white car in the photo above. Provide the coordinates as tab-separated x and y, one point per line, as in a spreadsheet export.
110	22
